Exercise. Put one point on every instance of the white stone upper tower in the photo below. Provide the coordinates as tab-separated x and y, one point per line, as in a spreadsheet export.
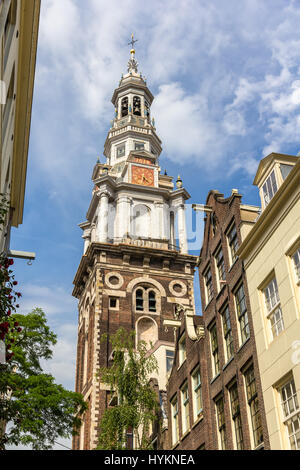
132	201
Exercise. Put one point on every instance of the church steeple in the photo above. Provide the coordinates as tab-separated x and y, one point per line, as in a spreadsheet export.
136	266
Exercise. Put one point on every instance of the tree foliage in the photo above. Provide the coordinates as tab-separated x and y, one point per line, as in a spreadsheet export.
37	410
137	406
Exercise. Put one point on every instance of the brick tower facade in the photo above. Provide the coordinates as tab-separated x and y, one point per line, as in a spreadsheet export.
135	268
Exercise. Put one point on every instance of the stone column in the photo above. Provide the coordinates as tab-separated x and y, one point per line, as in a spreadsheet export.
87	240
102	226
123	217
182	229
157	229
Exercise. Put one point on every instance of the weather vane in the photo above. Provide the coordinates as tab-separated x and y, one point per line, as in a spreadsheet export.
133	41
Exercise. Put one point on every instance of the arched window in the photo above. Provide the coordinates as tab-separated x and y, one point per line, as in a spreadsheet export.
124	107
139	300
147	109
137	105
146	299
152	301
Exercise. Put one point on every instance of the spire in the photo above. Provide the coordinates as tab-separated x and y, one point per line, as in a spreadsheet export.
132	64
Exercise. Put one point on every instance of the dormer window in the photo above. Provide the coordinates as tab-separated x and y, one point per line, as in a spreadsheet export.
137	106
124	107
269	188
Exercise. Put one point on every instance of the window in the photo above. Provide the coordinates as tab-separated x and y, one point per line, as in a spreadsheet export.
9	103
273	308
121	150
220	267
113	303
182	349
137	106
9	29
236	417
285	170
175	421
124	107
214	350
197	394
269	188
139	305
291	413
169	359
146	300
208	286
253	404
185	403
296	260
152	301
221	423
227	334
233	243
139	146
241	308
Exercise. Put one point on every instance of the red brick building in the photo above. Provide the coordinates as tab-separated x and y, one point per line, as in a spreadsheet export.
233	409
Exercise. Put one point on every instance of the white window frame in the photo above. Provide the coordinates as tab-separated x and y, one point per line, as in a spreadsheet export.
227	334
220	266
231	244
215	372
197	394
182	349
273	308
175	420
290	412
269	188
209	293
296	264
185	407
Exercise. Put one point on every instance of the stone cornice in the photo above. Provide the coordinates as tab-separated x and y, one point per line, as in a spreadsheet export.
95	249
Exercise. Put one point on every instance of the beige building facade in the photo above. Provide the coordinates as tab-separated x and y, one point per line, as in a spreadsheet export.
271	255
19	22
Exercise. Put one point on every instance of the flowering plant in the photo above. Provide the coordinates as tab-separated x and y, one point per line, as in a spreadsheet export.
9	328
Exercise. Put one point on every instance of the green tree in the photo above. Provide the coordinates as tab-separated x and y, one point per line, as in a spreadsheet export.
137	407
37	410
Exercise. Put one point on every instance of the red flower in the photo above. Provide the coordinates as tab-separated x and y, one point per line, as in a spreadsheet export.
16	323
19	330
15	283
19	294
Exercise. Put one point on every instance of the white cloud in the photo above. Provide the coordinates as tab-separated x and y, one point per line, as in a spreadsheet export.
52	300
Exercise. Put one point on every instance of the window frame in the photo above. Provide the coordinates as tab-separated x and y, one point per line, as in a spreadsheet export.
289	418
272	308
227	333
220	267
214	349
269	187
236	416
182	349
233	242
208	283
253	405
185	407
221	424
242	315
175	420
197	393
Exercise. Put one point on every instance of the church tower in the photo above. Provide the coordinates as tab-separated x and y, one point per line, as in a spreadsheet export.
135	268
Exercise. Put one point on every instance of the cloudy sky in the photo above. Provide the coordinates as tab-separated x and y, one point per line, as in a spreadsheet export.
226	81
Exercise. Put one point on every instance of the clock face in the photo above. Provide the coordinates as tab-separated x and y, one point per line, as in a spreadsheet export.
143	176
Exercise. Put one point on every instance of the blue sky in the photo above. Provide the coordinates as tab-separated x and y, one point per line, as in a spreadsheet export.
226	81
